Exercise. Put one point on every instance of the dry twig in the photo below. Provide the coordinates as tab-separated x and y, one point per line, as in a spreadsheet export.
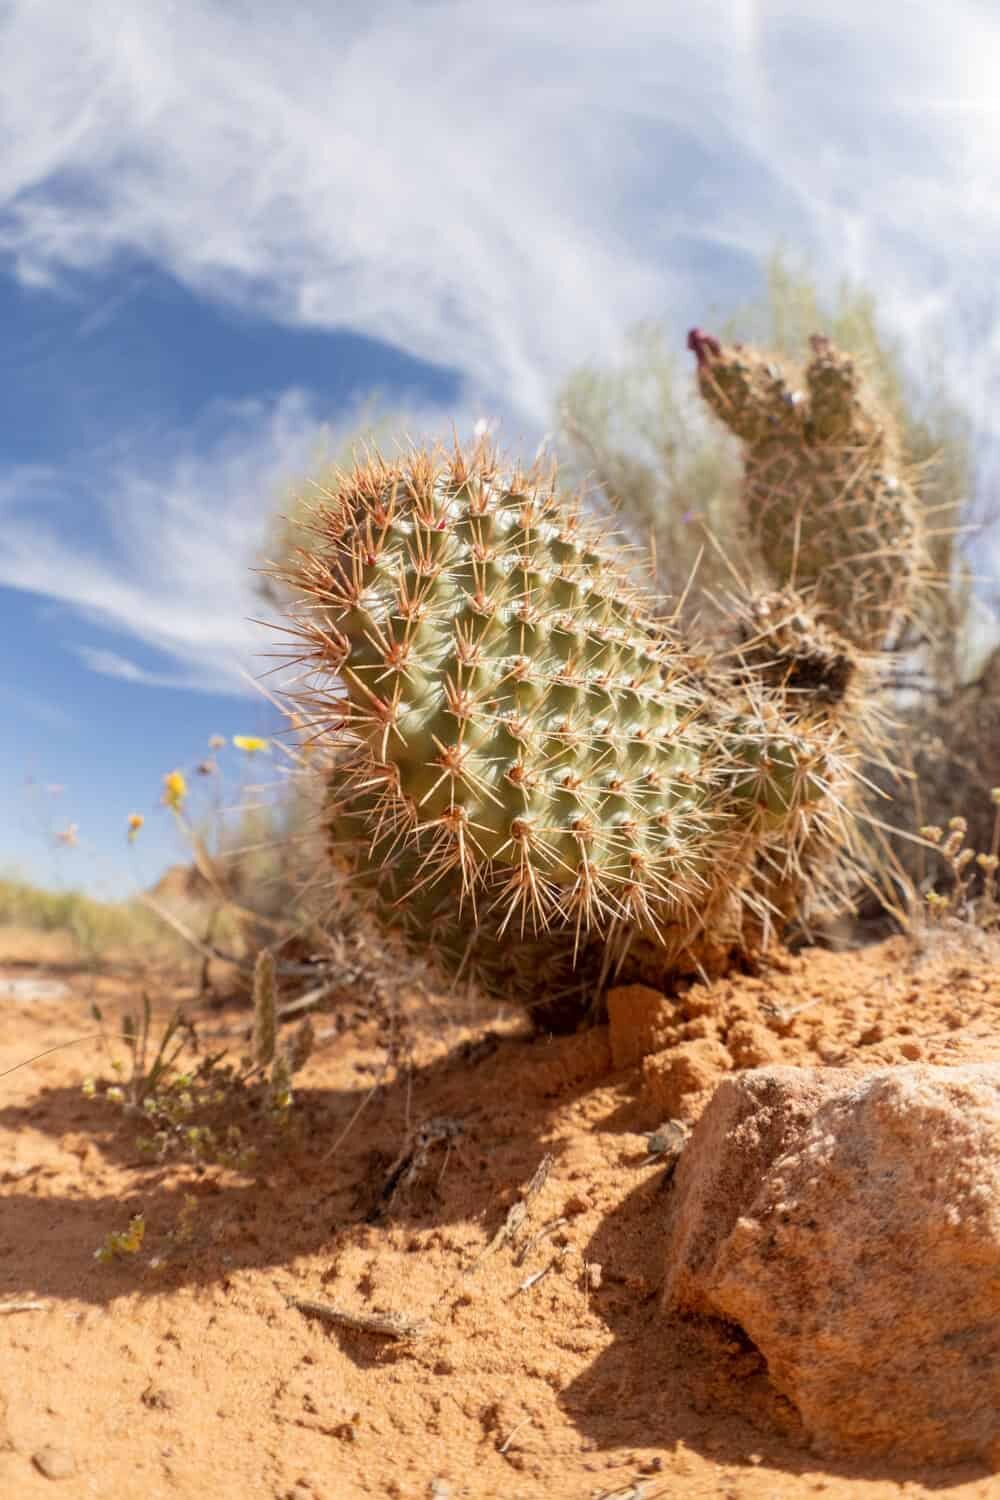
518	1212
386	1325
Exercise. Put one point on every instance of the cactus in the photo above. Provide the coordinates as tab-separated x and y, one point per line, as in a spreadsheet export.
528	758
533	778
829	504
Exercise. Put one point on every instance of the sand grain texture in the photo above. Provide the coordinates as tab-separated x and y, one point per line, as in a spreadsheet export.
186	1371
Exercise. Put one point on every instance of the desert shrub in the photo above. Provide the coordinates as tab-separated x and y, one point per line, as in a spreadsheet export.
95	926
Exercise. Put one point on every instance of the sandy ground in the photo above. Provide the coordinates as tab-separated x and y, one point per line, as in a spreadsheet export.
541	1366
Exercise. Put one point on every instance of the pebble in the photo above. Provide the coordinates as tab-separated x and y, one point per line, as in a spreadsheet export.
54	1463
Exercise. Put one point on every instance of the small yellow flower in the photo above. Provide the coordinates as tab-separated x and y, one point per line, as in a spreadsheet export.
123	1241
250	744
174	789
135	822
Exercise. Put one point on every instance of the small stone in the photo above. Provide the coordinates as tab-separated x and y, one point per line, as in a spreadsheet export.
54	1463
157	1399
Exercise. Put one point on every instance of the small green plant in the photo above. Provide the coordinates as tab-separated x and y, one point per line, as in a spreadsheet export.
122	1242
212	1111
264	1010
151	1070
276	1064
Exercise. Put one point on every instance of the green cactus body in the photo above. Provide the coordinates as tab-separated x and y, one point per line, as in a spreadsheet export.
559	975
827	501
525	750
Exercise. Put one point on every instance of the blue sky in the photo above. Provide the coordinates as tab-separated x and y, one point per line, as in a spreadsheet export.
222	227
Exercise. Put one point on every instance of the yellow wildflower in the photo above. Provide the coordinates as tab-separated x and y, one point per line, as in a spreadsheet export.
135	822
123	1241
174	789
250	744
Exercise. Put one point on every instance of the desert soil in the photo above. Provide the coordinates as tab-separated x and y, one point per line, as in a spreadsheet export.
543	1365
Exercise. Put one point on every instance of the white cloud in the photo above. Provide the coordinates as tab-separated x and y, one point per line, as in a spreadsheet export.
499	187
186	522
111	664
187	516
502	189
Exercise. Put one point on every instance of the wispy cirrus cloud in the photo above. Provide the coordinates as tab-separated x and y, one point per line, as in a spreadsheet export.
123	669
184	518
184	521
500	189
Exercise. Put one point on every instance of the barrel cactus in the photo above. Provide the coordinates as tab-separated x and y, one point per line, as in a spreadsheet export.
532	769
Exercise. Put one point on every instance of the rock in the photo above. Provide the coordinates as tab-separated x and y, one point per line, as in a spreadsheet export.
54	1463
849	1222
675	1083
641	1020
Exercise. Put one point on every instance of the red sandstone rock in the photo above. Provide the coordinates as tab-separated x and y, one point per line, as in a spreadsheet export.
849	1222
